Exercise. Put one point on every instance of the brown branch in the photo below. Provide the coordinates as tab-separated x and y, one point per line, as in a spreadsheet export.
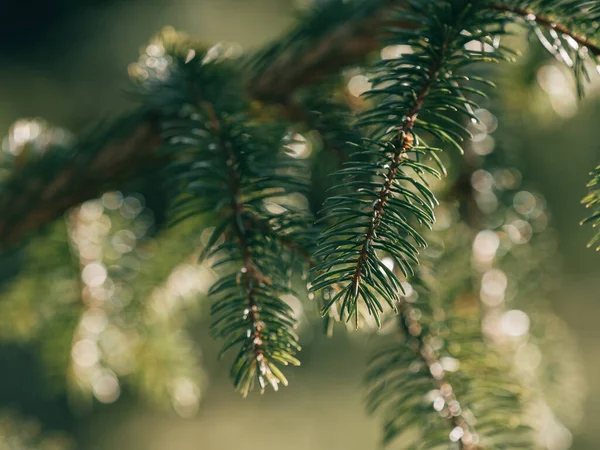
346	45
549	23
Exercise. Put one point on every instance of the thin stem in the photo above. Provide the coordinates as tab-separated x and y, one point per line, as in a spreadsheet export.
404	144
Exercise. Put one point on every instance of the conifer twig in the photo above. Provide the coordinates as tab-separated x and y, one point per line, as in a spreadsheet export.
528	13
250	273
402	144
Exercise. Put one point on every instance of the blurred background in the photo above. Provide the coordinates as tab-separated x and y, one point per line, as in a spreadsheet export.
66	61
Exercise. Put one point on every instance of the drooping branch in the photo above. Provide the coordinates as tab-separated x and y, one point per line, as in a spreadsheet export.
402	143
251	275
530	14
36	201
390	193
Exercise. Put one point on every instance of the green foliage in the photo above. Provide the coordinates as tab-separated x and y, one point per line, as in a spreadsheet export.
442	366
24	434
592	200
413	95
566	29
242	201
231	165
127	329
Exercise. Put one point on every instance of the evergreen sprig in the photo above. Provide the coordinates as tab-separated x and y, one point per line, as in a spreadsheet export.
233	167
249	310
566	28
413	95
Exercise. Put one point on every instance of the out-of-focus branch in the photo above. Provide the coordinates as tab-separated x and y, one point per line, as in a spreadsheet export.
28	201
547	22
344	45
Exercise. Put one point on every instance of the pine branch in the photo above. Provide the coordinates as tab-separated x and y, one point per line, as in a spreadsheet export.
230	167
346	34
251	276
531	14
110	158
329	113
227	164
416	90
214	152
411	327
248	311
566	28
256	284
401	143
